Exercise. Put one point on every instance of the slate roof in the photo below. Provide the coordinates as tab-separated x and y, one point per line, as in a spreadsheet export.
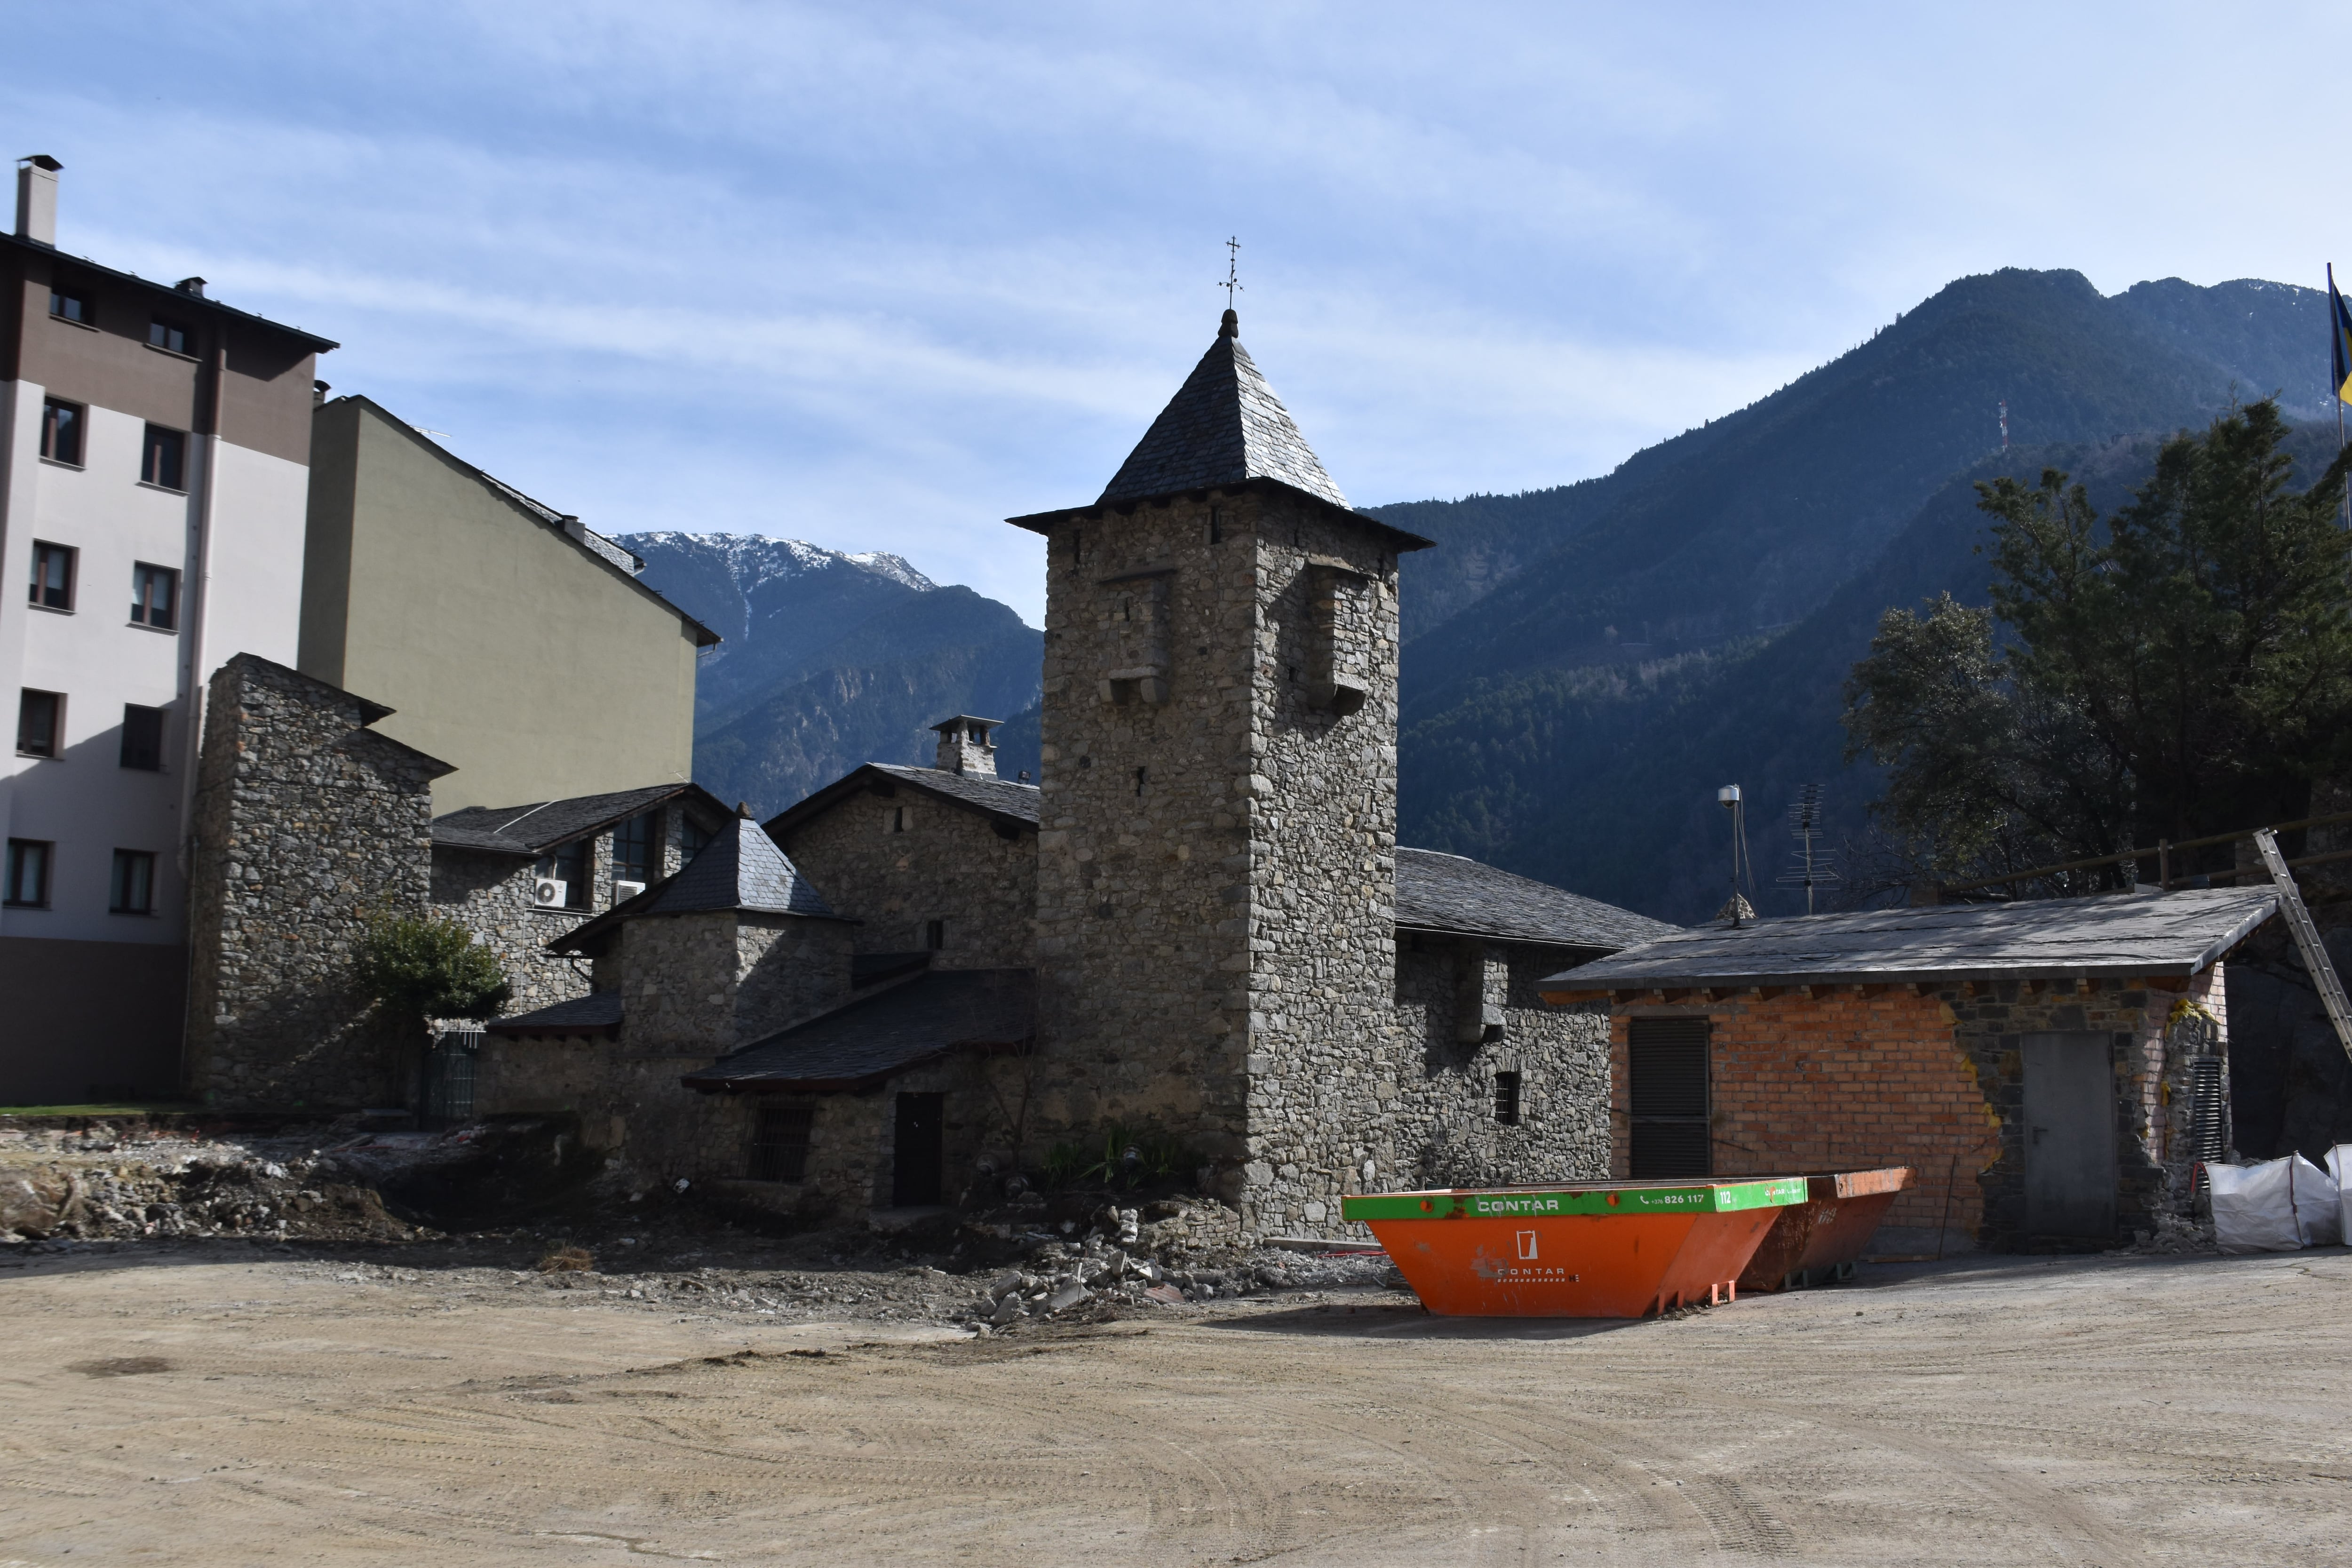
1224	426
1003	798
535	829
941	1011
739	869
2120	937
1450	894
598	1013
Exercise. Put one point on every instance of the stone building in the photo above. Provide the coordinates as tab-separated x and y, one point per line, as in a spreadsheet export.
1197	928
2052	1072
309	825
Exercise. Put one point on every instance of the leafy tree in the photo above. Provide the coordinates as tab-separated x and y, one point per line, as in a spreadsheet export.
2183	669
414	970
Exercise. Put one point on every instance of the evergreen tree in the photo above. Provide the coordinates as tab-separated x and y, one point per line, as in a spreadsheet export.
2183	670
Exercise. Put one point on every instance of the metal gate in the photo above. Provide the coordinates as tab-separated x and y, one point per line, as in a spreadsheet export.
1667	1061
447	1100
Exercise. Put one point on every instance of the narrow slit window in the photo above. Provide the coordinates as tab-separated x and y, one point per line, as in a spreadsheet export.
40	723
154	596
1507	1098
935	936
61	425
164	460
53	575
143	738
133	889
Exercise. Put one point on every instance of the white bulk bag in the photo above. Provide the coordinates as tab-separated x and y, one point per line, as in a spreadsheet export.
2278	1206
2339	1165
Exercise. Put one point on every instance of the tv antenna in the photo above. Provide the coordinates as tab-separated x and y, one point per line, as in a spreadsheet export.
2004	424
1232	281
1813	869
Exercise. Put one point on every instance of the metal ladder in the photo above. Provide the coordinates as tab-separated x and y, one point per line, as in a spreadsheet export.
2315	961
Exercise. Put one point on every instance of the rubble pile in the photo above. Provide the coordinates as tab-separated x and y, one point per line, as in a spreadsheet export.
106	1183
1170	1252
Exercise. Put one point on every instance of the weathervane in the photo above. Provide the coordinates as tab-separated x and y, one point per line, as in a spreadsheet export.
1233	279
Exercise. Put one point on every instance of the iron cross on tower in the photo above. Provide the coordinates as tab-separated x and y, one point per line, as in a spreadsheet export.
1233	279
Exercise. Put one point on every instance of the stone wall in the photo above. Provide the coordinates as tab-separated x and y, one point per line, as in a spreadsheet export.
1437	1124
491	896
1859	1076
1217	862
952	864
308	826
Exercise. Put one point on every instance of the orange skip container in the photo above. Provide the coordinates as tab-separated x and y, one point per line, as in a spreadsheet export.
1599	1249
1821	1239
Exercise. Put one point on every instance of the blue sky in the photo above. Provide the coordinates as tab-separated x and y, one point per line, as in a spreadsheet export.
879	275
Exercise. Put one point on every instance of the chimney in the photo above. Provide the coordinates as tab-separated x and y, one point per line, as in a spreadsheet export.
36	198
965	748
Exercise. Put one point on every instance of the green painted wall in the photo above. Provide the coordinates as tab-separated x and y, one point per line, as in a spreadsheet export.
536	667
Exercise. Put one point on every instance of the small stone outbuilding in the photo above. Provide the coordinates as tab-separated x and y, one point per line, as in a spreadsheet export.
2052	1072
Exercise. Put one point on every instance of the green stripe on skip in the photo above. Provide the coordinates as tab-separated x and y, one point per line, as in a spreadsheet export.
1708	1198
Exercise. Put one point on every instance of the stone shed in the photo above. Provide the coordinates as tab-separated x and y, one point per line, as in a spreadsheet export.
2052	1072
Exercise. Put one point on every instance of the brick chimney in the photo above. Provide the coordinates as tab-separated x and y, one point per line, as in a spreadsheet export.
36	198
964	746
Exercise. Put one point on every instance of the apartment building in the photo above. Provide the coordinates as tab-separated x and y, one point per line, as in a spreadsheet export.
155	451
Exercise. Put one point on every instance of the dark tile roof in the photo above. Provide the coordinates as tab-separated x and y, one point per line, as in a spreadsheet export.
739	869
1002	798
1450	894
1223	427
179	299
598	1013
2120	937
942	1011
540	827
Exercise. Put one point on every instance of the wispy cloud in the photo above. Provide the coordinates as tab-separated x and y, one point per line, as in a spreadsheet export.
880	276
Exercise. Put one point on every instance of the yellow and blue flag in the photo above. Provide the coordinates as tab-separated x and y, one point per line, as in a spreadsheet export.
2339	321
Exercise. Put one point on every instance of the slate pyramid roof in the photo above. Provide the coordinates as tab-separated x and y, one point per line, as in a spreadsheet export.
739	869
1223	427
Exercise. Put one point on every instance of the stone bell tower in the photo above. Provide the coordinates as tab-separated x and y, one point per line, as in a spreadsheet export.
1217	852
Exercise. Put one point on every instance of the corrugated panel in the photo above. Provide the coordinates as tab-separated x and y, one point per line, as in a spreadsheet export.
1667	1067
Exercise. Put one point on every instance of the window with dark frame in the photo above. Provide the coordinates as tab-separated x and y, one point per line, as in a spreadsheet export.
691	836
143	738
70	305
53	575
133	891
167	335
571	865
1666	1061
1507	1098
40	723
166	459
780	1142
898	819
154	596
636	845
27	887
61	423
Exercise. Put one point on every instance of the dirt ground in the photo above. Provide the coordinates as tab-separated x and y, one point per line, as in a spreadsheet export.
228	1402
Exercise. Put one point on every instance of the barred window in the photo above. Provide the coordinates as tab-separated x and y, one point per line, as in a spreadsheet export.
780	1142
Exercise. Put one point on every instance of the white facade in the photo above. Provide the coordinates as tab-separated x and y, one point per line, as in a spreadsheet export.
246	599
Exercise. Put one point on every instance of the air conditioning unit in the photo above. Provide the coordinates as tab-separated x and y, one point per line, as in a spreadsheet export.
624	891
551	891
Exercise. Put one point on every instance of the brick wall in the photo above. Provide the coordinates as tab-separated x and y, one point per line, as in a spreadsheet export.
1861	1076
